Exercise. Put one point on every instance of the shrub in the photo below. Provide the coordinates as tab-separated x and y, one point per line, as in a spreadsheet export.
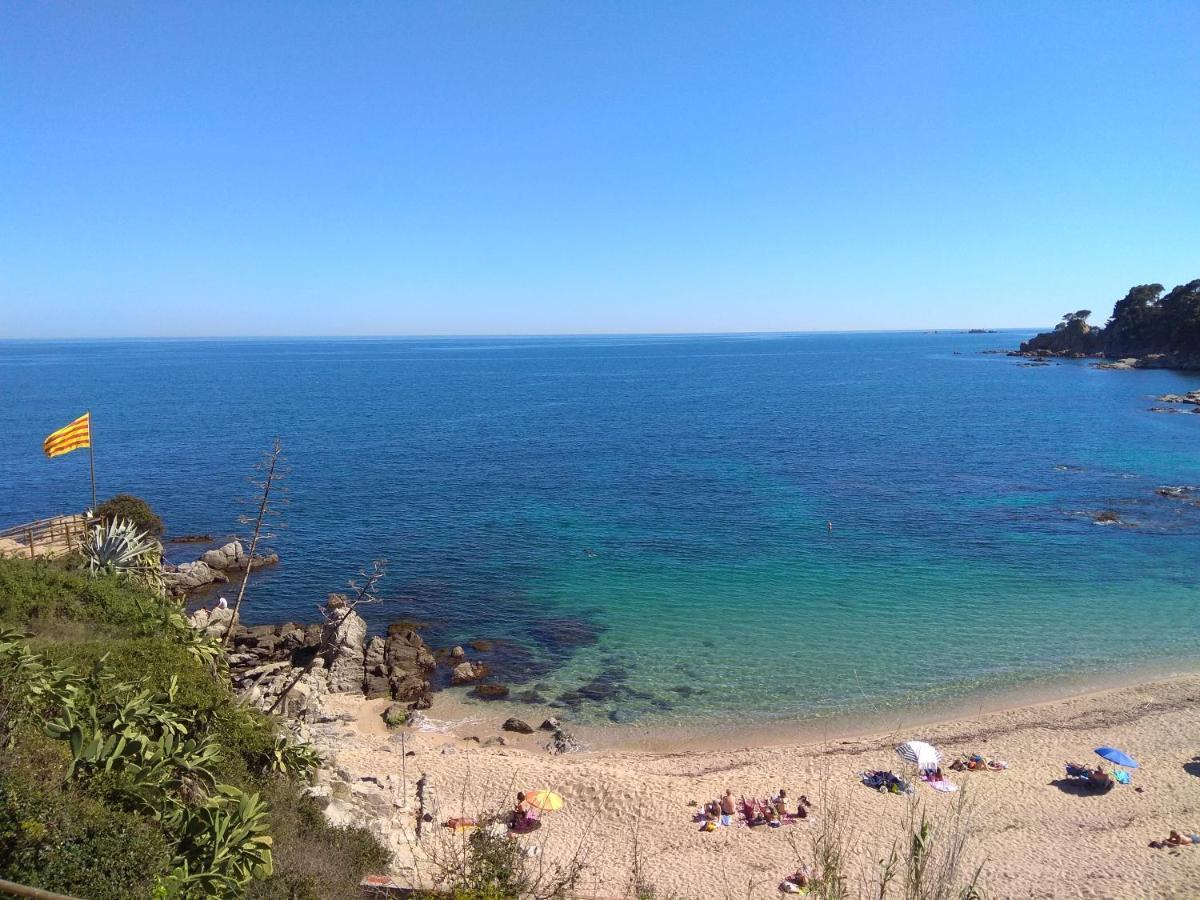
32	593
313	859
137	510
55	837
157	814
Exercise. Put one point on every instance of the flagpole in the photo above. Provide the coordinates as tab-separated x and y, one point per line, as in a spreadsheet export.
91	461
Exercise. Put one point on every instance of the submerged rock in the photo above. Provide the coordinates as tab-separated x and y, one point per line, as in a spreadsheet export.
490	691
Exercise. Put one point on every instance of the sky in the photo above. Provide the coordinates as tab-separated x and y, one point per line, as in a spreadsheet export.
233	168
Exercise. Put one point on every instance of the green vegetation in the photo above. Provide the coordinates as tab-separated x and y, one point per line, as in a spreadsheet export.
128	769
133	509
1144	321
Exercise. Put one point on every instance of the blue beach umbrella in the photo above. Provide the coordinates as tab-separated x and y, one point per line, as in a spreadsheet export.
1116	756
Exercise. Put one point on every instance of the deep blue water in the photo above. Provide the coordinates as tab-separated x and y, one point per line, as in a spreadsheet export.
653	509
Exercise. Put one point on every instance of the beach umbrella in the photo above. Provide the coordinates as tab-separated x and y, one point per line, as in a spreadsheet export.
1114	755
920	754
546	801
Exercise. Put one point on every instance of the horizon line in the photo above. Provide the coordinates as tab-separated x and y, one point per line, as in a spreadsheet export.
512	335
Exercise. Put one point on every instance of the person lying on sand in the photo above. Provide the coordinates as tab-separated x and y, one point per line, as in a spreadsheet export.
798	882
973	762
1176	840
1092	777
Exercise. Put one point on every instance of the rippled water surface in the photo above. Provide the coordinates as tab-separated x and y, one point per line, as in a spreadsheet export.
645	517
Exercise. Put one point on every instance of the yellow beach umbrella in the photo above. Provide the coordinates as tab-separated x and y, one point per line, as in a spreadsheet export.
546	801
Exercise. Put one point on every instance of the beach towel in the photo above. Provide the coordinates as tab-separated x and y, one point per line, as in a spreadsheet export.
945	786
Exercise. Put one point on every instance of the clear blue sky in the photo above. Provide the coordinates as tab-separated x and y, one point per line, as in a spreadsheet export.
358	168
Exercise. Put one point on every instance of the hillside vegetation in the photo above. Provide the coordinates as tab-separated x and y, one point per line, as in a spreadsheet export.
1159	330
129	769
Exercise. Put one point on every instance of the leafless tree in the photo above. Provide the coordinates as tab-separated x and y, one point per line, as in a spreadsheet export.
364	590
268	498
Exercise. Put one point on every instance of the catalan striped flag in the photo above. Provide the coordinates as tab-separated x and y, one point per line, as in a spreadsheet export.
72	437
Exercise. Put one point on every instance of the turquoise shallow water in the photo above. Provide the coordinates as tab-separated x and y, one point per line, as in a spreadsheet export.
644	517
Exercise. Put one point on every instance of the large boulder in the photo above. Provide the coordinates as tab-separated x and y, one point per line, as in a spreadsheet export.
342	641
214	622
466	672
232	557
192	576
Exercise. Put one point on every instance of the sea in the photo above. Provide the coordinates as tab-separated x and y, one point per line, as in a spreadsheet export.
642	530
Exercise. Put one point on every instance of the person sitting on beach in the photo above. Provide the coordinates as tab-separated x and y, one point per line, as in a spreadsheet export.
522	813
779	801
728	807
1100	778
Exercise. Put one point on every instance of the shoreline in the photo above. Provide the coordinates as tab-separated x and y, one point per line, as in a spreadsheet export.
457	714
1023	823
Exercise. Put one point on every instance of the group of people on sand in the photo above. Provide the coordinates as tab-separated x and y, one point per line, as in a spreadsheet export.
773	812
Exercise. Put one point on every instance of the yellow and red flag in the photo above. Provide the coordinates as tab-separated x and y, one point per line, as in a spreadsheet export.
72	437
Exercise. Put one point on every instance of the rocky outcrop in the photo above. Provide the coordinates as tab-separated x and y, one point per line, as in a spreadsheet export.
288	668
407	664
212	568
213	622
343	645
1192	397
1073	338
1147	330
232	558
191	576
517	726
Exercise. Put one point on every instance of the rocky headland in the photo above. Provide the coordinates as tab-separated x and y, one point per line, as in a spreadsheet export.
1147	330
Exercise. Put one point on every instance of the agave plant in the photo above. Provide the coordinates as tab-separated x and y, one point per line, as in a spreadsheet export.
119	546
293	760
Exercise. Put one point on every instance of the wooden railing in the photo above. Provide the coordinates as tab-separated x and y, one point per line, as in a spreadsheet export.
44	537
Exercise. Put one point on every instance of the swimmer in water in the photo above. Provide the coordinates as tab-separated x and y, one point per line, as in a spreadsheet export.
829	525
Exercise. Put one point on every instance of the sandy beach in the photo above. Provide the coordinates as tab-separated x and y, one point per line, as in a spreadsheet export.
1032	836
